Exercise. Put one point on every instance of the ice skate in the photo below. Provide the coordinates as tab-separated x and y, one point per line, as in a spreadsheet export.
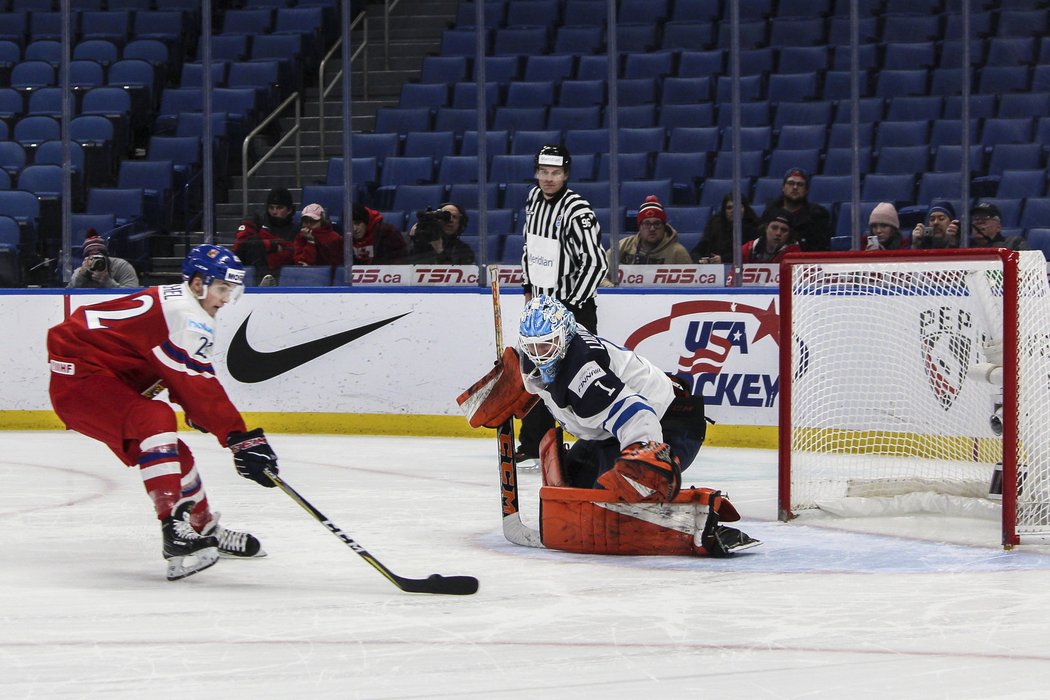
240	545
187	551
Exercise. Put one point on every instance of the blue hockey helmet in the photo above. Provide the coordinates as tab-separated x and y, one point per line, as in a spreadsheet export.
544	334
213	262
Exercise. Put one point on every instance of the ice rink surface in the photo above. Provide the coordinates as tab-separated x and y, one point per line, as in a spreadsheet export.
906	607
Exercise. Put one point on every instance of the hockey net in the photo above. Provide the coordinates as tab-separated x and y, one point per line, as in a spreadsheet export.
885	407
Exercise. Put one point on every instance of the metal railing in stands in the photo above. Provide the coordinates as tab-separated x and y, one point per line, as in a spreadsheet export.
295	131
326	89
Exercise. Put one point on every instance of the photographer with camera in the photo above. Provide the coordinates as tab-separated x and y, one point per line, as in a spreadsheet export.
99	270
941	229
435	237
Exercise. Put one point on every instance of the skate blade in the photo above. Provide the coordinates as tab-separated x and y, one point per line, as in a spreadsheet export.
223	554
181	567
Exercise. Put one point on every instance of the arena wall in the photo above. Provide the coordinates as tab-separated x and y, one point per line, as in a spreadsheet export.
402	377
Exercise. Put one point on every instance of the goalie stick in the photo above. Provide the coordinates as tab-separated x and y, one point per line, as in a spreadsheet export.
513	528
435	583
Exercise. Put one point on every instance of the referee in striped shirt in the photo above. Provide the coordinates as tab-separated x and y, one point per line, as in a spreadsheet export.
563	257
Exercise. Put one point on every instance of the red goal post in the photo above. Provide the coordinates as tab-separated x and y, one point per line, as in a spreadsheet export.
885	396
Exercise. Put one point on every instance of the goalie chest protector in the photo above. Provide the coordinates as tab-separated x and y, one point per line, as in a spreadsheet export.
591	521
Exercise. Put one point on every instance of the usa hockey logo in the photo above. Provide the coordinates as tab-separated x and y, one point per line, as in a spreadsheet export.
717	331
945	339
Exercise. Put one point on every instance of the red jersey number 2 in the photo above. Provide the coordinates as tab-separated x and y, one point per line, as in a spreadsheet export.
96	318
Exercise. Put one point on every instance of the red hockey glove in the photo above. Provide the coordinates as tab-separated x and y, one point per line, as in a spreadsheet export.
645	472
251	455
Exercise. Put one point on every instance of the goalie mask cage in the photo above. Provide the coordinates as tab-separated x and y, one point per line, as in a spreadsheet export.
875	401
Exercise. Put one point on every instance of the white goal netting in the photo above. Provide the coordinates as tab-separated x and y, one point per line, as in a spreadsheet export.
881	402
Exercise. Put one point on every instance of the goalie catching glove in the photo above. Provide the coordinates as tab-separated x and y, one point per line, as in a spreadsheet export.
251	455
646	472
498	396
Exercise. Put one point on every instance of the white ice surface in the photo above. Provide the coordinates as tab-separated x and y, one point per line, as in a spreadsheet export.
816	612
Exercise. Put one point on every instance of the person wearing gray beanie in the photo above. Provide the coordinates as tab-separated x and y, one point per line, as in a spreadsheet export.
884	228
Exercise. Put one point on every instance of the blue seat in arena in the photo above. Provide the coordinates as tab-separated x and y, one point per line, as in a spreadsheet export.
831	188
433	144
1035	213
752	164
496	142
938	186
902	159
781	159
888	188
673	116
466	194
1000	130
797	136
376	145
413	198
909	133
838	160
550	67
512	168
513	247
520	118
1014	156
529	141
328	196
457	169
156	178
685	170
686	139
1020	184
444	69
632	165
582	92
1039	239
564	118
914	108
817	113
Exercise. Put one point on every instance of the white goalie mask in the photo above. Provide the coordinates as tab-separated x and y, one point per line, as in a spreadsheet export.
544	334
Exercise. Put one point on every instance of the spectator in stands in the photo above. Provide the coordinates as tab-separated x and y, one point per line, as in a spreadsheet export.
434	238
941	229
810	222
777	241
99	270
656	242
266	240
375	242
884	228
317	243
716	245
986	229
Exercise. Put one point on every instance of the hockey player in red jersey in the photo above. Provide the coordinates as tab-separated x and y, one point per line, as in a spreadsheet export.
105	360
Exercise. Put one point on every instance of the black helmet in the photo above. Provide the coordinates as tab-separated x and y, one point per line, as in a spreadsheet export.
555	155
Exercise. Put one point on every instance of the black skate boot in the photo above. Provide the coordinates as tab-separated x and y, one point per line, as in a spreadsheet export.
242	545
186	551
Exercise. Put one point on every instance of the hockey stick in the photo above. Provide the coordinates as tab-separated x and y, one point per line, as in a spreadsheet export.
435	583
513	528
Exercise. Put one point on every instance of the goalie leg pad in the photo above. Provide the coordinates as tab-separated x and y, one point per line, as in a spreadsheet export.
552	452
592	521
498	396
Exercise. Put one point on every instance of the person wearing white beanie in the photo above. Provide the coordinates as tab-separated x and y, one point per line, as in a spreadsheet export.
884	228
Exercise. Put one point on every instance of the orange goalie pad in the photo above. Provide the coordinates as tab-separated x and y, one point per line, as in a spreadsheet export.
593	521
497	396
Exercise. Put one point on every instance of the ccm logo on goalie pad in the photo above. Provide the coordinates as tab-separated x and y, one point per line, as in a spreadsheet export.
585	377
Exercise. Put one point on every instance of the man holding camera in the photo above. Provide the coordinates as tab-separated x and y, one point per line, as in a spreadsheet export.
99	270
435	237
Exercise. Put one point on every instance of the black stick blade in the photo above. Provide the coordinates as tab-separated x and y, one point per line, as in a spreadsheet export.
442	585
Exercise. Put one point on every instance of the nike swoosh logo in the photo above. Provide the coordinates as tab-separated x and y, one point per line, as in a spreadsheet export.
248	365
